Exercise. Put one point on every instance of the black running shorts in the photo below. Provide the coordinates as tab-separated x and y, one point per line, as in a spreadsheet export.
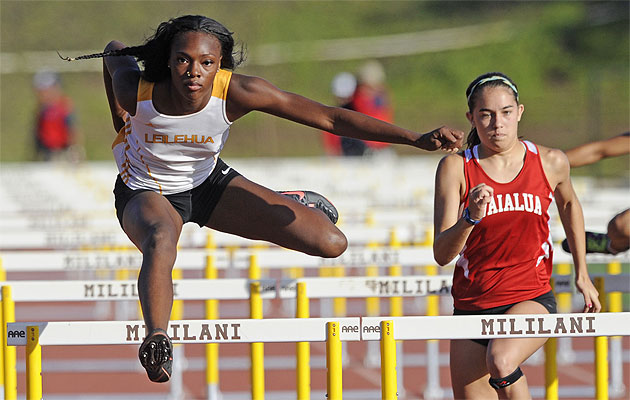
547	300
194	205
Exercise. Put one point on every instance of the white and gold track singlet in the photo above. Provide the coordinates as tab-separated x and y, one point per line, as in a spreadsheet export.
171	154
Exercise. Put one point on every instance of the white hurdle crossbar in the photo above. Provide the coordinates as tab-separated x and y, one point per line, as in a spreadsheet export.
333	332
318	330
270	330
121	290
500	326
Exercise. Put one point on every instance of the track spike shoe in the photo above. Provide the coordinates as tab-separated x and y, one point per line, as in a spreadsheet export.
314	200
156	356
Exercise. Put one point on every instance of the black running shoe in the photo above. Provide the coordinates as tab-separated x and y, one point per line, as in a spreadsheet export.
156	356
314	200
595	243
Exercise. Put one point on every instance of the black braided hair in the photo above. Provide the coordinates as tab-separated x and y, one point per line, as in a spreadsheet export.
154	53
472	94
127	51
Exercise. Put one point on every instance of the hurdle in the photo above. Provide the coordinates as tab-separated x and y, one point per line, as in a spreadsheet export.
125	290
500	326
265	258
367	287
386	329
333	332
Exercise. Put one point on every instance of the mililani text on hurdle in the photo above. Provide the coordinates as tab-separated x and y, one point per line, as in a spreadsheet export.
312	330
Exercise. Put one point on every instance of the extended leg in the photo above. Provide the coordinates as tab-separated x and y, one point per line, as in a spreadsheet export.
154	226
252	211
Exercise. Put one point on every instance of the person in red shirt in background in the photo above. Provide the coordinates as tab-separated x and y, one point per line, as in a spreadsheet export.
367	95
371	97
55	133
343	87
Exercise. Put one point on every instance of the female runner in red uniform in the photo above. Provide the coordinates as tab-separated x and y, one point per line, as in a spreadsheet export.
491	208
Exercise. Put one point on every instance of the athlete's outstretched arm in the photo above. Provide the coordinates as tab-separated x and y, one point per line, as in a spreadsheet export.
592	152
249	93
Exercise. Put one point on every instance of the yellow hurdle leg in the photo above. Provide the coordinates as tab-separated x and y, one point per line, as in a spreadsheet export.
601	368
333	362
303	349
388	362
601	350
551	363
10	372
257	349
212	349
33	364
551	370
3	332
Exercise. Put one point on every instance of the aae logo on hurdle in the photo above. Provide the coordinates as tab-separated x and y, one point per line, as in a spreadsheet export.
499	326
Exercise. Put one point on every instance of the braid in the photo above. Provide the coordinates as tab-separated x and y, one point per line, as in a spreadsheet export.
135	51
155	51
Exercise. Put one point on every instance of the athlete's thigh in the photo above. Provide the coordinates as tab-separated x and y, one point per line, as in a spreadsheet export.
518	350
149	213
469	374
252	211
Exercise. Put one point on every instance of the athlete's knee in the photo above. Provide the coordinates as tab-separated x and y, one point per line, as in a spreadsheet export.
333	243
501	364
507	380
161	238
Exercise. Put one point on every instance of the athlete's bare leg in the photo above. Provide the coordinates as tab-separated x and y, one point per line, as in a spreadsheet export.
252	211
472	364
469	373
154	227
505	355
619	232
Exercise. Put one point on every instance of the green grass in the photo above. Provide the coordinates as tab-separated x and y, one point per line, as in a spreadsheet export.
572	70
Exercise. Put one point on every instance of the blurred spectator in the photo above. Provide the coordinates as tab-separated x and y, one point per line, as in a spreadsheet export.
55	134
371	97
343	87
367	95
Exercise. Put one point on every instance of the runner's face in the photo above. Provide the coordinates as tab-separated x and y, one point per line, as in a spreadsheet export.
194	61
496	116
